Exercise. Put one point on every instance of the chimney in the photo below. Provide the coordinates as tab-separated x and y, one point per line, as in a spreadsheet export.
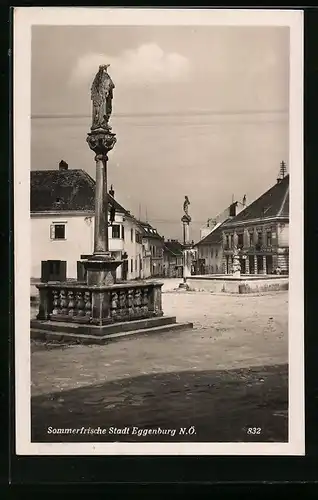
244	201
232	210
63	165
282	172
111	191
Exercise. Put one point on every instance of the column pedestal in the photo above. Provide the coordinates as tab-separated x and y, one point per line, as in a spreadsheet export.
186	268
255	265
101	272
264	265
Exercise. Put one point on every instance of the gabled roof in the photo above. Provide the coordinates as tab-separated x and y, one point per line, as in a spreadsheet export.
274	203
64	190
148	231
174	247
215	237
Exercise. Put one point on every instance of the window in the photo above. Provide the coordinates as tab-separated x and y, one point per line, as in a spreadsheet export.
116	231
131	265
123	232
212	253
227	241
268	238
216	252
216	269
54	267
136	265
230	241
251	239
259	237
132	234
58	231
240	242
140	263
138	238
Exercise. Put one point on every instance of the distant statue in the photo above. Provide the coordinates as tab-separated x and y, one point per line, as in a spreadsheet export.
102	95
186	205
236	266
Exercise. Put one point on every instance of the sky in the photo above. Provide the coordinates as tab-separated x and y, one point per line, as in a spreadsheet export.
200	111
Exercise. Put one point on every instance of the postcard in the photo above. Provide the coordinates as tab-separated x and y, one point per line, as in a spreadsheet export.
158	231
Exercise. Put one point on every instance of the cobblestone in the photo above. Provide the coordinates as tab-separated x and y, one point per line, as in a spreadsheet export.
235	357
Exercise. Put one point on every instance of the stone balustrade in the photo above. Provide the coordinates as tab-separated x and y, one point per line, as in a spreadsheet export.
80	303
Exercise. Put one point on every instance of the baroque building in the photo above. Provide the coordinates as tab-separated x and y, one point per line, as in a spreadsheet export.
152	245
210	249
62	225
173	259
260	233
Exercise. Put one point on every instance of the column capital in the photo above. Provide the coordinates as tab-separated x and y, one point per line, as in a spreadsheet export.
101	157
101	141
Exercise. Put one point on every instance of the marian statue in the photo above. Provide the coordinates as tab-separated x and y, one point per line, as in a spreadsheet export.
186	205
236	266
102	95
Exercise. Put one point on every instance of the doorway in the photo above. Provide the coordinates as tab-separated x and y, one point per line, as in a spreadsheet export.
260	267
251	264
227	265
243	266
269	264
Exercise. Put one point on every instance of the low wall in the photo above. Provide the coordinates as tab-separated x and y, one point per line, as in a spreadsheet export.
80	303
242	285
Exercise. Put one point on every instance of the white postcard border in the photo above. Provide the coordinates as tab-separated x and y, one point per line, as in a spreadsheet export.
24	18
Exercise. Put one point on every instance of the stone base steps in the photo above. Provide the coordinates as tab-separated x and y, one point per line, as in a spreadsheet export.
58	331
76	338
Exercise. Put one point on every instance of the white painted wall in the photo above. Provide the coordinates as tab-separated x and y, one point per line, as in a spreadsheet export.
283	235
133	249
79	240
213	255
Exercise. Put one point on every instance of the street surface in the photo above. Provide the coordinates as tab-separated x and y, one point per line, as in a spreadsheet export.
227	375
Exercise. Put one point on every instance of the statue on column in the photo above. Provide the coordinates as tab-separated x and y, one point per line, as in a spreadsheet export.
236	266
186	205
102	96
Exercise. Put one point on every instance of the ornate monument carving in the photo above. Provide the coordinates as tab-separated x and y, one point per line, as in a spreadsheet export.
101	139
102	96
236	266
186	217
186	205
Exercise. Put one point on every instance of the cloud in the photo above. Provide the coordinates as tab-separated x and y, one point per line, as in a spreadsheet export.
146	65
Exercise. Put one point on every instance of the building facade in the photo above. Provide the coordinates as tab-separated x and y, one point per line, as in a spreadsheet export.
62	224
260	233
210	247
173	259
153	245
210	253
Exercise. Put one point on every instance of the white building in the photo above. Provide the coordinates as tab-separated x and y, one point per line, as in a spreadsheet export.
214	222
62	224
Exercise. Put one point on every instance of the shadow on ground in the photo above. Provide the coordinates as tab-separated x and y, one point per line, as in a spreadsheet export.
220	405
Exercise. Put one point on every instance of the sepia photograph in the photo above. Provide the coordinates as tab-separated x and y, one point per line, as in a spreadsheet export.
158	173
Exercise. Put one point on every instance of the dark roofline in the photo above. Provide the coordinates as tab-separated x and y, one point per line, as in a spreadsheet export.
237	220
217	231
147	225
90	181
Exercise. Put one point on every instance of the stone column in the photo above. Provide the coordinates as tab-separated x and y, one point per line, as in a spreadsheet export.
186	233
255	265
186	219
247	265
101	208
235	239
264	264
101	268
